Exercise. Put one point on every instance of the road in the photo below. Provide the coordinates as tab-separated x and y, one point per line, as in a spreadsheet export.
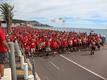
73	66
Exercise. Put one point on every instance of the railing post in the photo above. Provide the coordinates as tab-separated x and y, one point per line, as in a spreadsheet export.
33	68
25	66
22	61
12	61
17	48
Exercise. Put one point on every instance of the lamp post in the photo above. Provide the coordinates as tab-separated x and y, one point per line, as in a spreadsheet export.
12	61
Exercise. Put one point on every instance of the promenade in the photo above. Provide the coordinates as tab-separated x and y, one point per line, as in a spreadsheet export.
74	66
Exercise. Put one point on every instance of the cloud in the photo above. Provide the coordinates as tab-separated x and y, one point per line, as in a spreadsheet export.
77	11
3	1
56	8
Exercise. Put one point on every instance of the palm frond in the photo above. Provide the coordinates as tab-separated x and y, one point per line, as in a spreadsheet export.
6	10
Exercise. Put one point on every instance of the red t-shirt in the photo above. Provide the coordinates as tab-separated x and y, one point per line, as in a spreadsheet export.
70	42
59	42
75	41
12	37
27	49
65	43
47	44
55	45
33	45
2	38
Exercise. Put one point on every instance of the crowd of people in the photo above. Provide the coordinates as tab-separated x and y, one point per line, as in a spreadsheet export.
50	42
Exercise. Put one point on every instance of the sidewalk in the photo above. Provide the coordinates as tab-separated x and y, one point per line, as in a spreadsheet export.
7	74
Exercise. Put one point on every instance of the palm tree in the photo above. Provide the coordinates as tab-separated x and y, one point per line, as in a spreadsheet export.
7	12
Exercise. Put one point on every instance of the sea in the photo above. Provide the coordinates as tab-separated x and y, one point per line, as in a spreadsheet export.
103	32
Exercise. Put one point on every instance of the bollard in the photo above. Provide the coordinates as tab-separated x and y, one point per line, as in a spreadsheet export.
22	61
12	61
19	53
17	48
25	67
31	77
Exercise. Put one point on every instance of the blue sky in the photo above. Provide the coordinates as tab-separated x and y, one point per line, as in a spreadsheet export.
76	13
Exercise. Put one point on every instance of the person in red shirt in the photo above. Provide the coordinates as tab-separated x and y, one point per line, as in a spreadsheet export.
93	47
33	46
47	47
75	44
65	44
70	44
3	50
55	46
60	46
27	51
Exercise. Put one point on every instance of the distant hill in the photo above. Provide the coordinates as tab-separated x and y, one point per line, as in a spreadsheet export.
23	21
34	23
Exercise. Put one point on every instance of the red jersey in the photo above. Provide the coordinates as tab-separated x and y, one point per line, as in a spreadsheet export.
12	38
27	49
75	41
33	45
55	45
65	43
47	44
59	42
2	38
70	42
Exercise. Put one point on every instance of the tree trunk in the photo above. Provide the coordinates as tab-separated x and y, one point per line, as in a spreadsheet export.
8	29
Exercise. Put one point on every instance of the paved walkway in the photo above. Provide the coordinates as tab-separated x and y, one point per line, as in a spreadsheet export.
74	66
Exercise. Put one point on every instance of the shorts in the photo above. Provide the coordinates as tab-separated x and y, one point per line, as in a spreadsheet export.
48	49
93	48
32	50
3	58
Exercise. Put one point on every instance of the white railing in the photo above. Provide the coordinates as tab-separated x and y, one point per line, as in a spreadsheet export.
24	62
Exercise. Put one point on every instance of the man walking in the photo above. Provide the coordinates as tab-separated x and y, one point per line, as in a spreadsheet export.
92	47
4	48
